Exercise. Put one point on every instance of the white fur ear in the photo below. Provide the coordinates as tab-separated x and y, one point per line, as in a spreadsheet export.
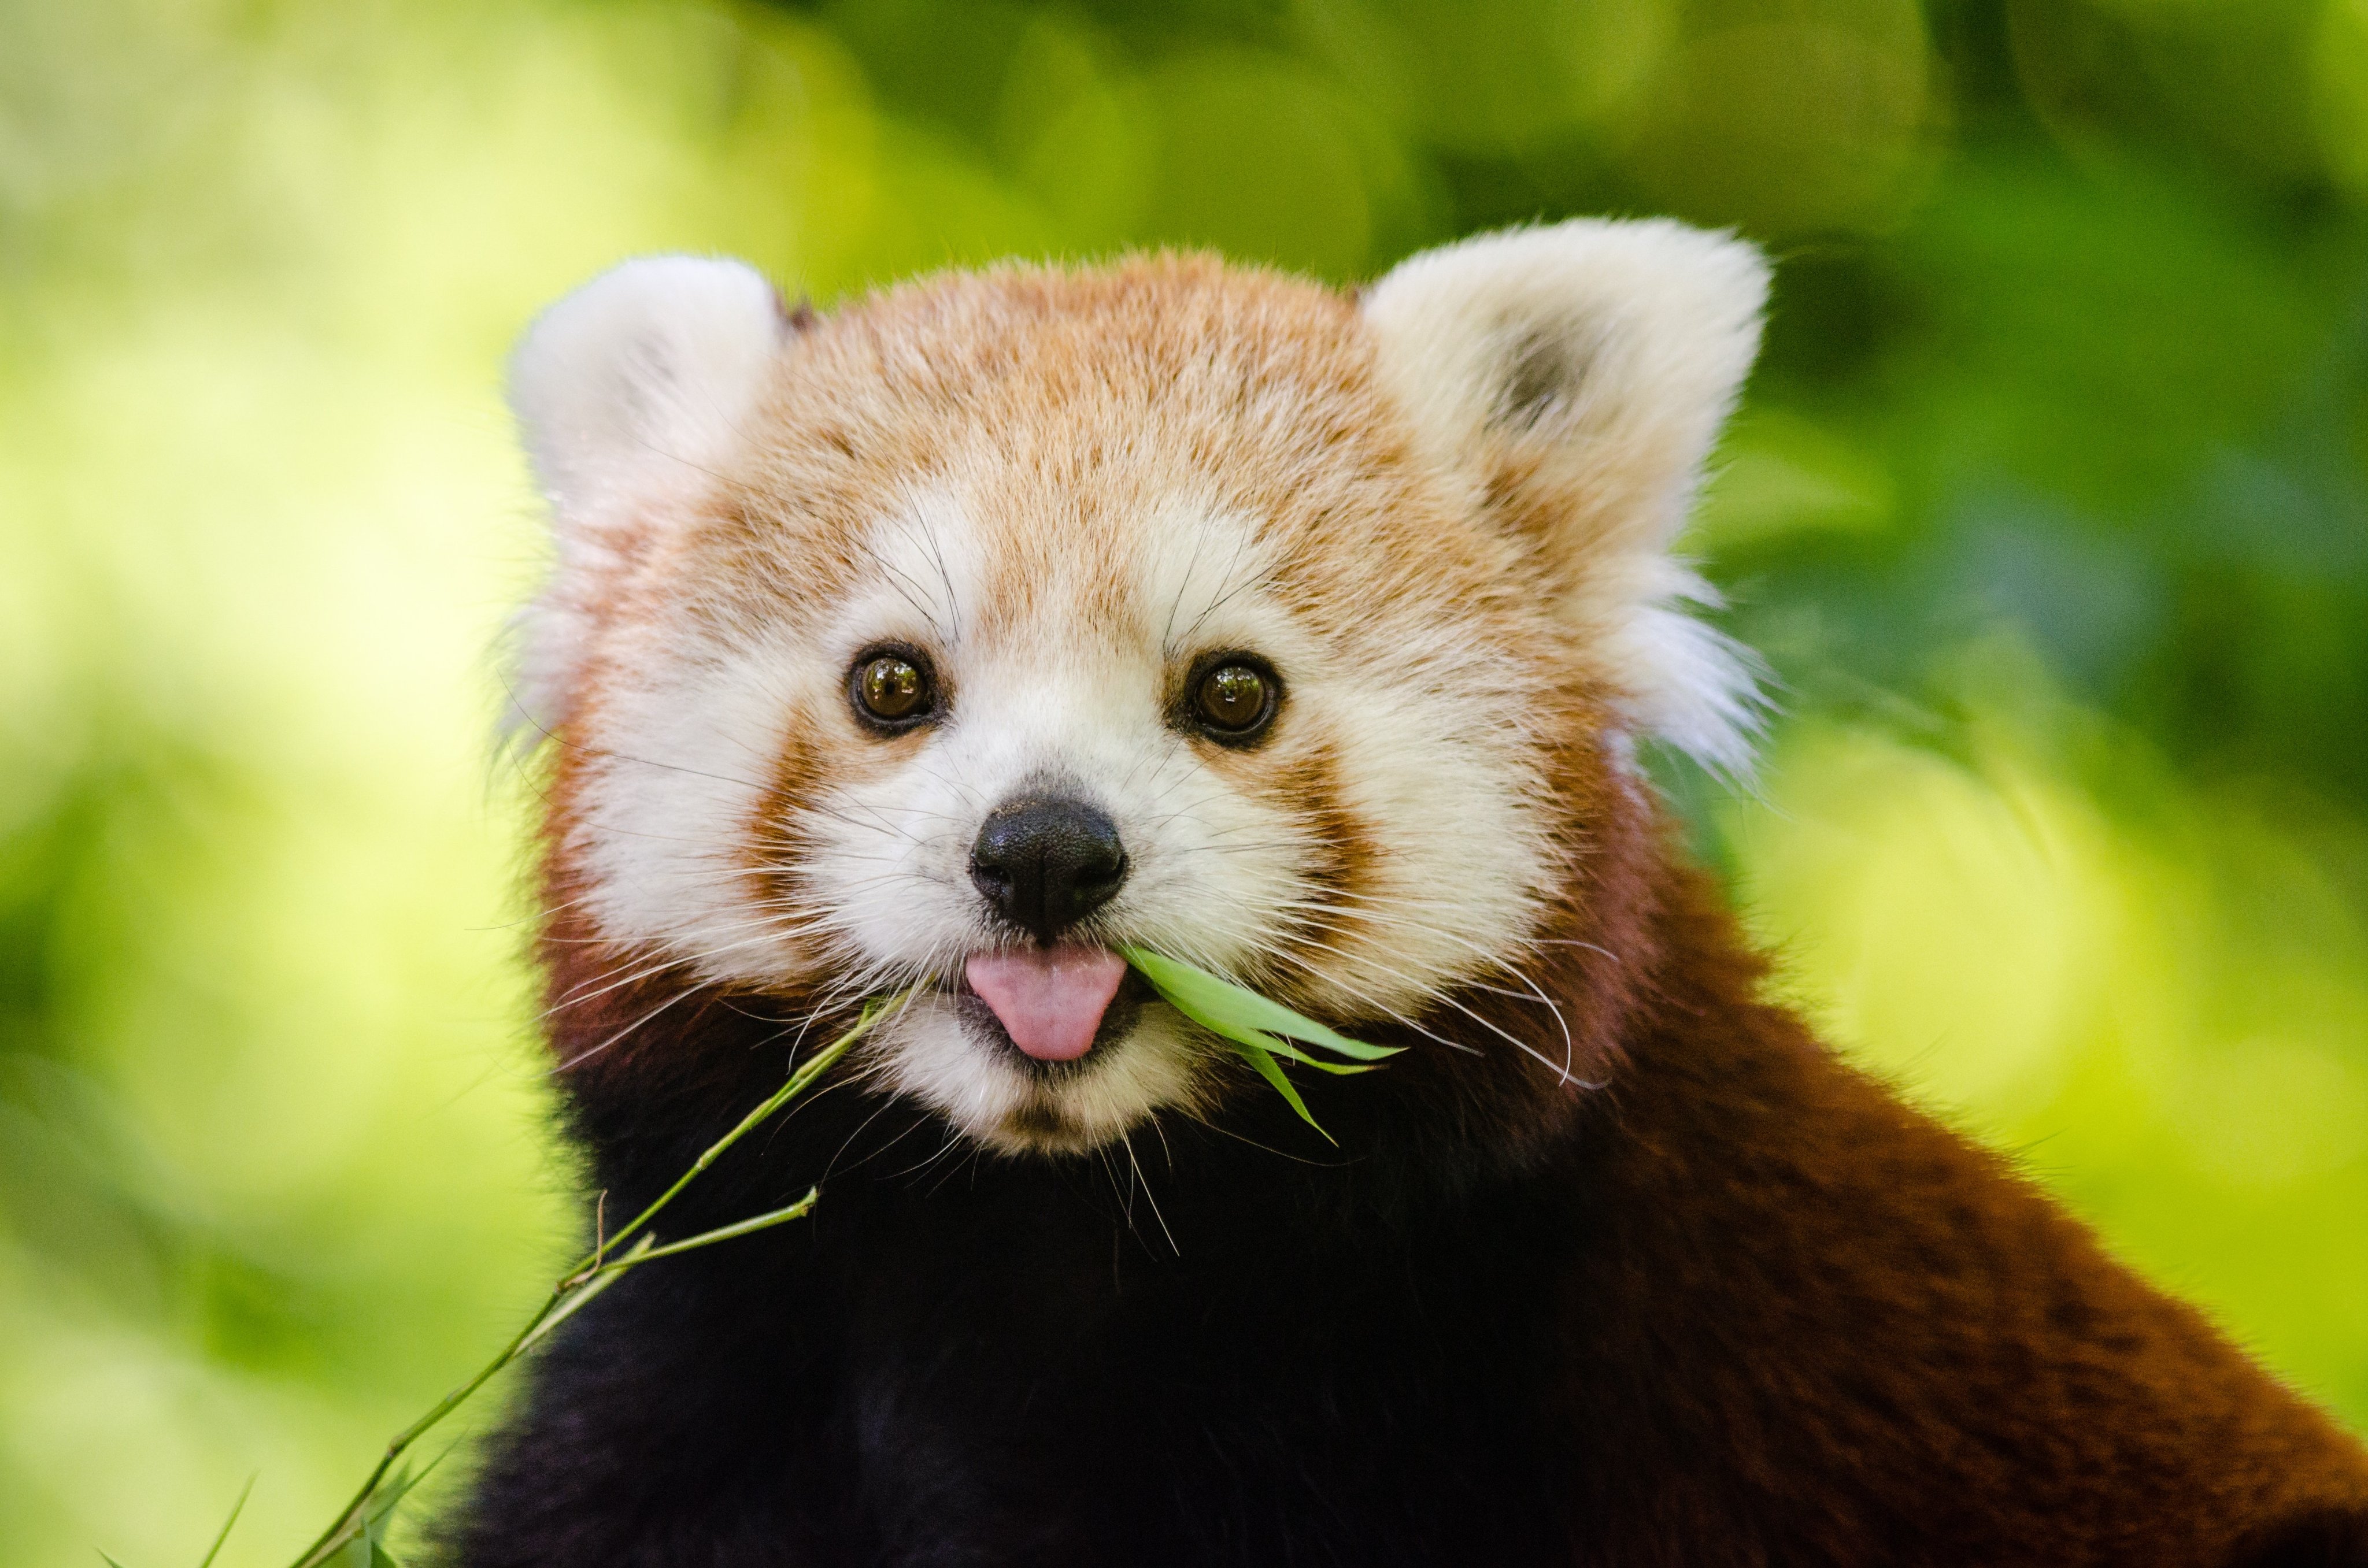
634	385
630	393
1577	375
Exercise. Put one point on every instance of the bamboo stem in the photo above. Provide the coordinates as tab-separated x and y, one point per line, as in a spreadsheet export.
594	1273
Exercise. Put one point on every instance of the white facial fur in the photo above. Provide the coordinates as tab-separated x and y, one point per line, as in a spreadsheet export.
683	703
881	861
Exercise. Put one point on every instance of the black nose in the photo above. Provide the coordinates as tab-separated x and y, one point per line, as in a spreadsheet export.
1046	863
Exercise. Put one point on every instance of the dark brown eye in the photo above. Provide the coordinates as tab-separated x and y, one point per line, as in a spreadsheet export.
891	689
1234	699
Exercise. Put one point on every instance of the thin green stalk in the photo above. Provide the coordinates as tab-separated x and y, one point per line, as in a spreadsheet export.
594	1273
764	1222
815	1066
581	1296
223	1534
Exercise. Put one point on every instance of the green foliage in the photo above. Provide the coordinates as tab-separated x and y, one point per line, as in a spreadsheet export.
1258	1027
2047	508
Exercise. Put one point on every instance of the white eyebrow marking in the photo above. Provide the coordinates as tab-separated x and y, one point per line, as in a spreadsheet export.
1184	531
908	544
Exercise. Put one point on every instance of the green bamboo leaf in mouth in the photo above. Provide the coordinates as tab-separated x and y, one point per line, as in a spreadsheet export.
1258	1027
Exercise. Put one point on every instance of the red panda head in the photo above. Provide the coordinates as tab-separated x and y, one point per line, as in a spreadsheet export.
967	633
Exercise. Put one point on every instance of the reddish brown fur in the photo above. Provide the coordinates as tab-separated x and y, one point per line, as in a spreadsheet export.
1851	1303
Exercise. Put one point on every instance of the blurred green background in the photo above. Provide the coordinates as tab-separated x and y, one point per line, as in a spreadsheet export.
2047	508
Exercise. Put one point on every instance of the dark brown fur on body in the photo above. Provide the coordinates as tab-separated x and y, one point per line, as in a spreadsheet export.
1737	1305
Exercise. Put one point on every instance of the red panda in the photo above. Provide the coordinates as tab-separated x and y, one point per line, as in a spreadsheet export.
957	637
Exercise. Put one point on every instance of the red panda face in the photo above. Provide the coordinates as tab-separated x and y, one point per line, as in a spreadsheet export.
962	638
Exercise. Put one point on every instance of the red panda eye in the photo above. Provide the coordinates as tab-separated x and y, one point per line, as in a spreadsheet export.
1235	700
891	689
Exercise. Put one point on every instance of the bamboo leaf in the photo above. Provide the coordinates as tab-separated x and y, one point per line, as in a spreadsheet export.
1209	1003
1254	1026
1208	998
1338	1069
393	1491
1260	1057
223	1534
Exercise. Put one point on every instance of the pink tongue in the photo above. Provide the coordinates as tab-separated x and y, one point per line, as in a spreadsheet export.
1051	1000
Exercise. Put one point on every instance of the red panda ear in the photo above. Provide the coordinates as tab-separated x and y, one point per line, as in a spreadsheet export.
1576	376
630	393
631	388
